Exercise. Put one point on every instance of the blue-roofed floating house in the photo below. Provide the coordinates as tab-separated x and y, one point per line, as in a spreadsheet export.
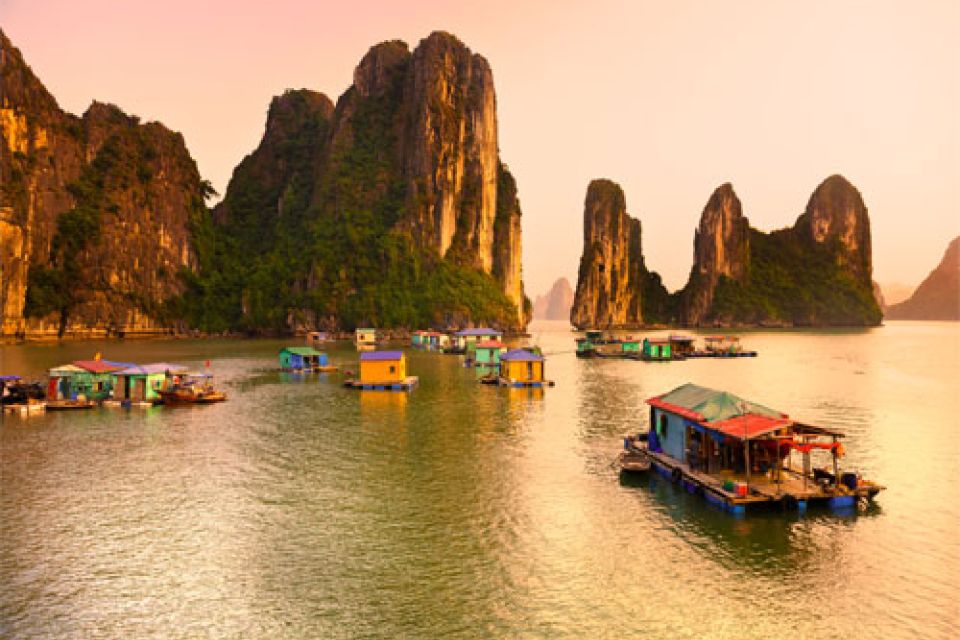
738	453
522	368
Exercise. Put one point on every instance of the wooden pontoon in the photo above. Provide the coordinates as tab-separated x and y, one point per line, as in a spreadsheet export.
736	453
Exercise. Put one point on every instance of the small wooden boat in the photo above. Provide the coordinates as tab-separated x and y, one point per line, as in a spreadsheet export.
196	388
634	458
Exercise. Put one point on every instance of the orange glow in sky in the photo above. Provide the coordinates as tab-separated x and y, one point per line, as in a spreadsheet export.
670	99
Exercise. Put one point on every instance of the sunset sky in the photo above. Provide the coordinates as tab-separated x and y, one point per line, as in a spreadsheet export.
670	99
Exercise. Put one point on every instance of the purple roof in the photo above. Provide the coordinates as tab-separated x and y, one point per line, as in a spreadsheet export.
520	355
153	368
379	356
9	378
479	332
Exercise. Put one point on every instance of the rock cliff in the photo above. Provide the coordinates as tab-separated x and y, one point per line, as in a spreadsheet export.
556	303
391	208
95	214
938	296
818	272
614	288
721	248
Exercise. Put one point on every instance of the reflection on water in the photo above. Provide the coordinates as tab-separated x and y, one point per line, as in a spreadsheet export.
300	508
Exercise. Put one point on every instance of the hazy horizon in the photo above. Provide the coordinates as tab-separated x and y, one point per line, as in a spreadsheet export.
670	101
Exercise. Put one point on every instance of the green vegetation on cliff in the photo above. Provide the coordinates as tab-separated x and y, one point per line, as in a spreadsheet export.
795	282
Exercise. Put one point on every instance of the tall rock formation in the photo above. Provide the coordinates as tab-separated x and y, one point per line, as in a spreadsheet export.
95	213
392	208
721	248
819	272
556	303
938	296
613	285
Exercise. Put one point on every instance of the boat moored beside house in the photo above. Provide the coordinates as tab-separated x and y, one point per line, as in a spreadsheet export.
740	454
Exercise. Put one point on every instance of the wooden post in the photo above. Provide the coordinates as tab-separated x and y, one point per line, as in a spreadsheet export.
836	464
746	457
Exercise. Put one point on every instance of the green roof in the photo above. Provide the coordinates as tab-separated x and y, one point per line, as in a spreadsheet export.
715	405
302	351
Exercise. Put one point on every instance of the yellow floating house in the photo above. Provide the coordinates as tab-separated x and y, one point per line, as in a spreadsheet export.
522	368
383	370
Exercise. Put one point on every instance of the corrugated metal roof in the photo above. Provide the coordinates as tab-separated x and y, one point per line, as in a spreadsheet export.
302	351
102	366
520	355
152	369
709	405
483	331
379	356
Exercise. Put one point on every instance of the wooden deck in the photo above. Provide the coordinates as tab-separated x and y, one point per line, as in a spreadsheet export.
789	491
405	385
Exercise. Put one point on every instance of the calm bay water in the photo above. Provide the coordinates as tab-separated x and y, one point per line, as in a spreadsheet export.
303	509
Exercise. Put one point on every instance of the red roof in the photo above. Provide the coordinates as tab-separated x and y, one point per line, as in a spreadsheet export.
674	408
748	426
489	344
99	366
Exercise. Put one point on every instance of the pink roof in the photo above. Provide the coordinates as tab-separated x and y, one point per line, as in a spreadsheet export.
489	344
100	366
749	425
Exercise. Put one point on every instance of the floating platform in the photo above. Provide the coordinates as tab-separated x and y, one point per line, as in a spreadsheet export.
791	492
327	368
407	384
28	409
70	405
524	384
717	354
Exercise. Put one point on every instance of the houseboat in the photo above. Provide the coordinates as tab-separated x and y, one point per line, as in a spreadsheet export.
657	350
21	398
463	341
305	360
144	385
522	368
429	340
487	353
67	386
192	388
722	347
682	345
597	344
383	371
365	339
739	454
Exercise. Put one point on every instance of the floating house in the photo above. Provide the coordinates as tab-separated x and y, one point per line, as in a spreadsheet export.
522	368
721	347
657	349
740	454
304	359
67	382
682	345
143	383
97	383
429	339
365	339
466	339
630	347
597	344
383	370
487	353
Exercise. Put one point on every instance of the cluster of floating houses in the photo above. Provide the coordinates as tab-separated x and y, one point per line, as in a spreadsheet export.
84	384
386	370
735	453
597	344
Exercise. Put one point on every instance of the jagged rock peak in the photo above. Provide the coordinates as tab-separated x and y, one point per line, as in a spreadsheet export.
836	210
19	87
288	111
938	296
378	68
609	282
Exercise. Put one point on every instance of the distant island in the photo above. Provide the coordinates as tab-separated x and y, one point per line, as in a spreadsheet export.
816	273
391	208
938	296
554	304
